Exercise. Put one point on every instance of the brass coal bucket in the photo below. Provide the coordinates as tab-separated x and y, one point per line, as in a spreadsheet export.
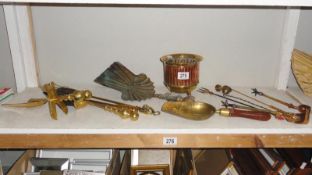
181	71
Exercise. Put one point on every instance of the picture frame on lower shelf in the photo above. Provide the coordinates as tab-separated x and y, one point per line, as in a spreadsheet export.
1	171
78	172
39	164
230	169
150	170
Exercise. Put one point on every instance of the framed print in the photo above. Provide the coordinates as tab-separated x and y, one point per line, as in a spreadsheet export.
39	164
1	171
150	170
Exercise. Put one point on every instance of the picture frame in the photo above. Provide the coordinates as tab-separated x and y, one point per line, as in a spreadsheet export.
150	170
1	171
39	164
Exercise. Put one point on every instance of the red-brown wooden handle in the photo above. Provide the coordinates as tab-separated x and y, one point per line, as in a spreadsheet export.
255	115
234	112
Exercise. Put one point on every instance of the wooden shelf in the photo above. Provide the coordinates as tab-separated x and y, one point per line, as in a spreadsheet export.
91	127
149	140
177	2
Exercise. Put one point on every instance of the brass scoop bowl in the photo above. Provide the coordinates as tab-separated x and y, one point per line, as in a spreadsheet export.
189	109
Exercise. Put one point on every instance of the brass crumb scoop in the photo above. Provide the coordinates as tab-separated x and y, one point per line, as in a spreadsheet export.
132	87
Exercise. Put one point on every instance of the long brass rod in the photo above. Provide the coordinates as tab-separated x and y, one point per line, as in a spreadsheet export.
268	105
205	90
121	110
247	101
112	101
145	109
289	105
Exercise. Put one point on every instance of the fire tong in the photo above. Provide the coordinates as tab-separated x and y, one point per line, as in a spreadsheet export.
301	118
249	112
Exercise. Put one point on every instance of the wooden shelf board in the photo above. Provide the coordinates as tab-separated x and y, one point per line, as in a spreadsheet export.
31	141
92	127
176	2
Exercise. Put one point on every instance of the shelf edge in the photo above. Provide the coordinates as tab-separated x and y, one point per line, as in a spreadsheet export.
176	2
27	141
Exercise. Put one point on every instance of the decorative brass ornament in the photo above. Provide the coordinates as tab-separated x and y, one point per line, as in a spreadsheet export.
77	97
66	96
181	72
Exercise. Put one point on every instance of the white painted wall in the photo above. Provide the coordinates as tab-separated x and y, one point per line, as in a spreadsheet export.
6	80
6	68
240	46
304	34
304	38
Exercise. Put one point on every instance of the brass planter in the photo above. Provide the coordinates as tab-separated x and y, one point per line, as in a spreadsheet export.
181	71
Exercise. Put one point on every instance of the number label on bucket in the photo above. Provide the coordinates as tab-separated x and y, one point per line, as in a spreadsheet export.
183	75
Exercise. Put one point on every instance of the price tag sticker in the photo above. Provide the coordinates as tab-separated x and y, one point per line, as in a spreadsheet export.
170	141
183	75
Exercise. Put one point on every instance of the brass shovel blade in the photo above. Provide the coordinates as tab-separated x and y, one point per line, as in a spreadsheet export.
189	109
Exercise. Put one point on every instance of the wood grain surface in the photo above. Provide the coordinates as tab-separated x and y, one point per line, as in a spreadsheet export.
32	141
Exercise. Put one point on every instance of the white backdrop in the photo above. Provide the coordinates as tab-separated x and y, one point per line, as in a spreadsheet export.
240	46
304	38
6	68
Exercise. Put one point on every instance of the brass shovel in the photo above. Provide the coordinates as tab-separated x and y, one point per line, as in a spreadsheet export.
193	110
189	109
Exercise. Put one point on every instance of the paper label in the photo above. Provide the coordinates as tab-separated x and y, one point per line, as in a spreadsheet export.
183	75
170	141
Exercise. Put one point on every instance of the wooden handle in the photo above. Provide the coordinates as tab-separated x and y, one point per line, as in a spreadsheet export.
255	115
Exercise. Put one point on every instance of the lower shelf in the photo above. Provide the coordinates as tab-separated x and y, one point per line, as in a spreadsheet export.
214	161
